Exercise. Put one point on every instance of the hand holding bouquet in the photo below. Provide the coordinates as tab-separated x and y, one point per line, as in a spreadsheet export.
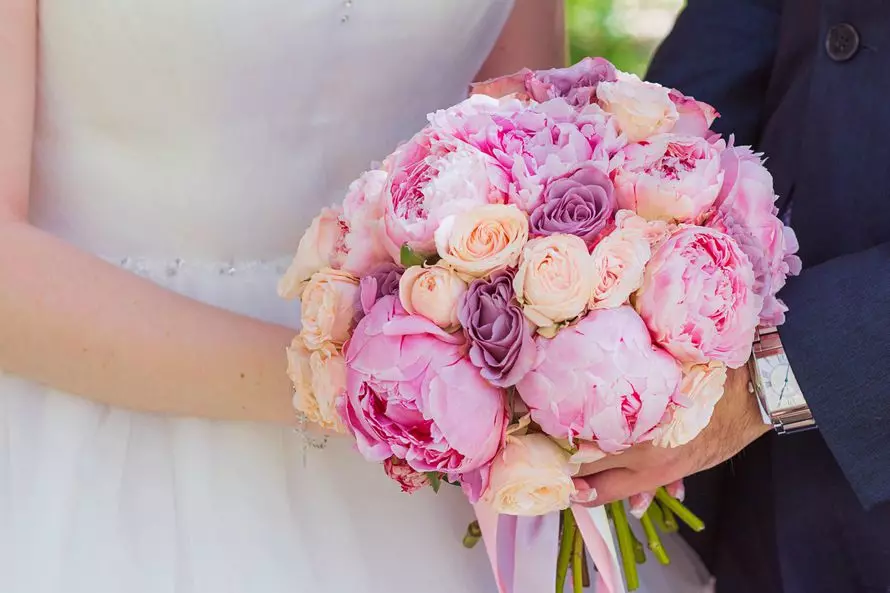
560	267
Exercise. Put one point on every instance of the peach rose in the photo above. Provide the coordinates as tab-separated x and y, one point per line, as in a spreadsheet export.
702	387
553	283
483	239
642	109
320	247
619	260
531	477
433	293
329	305
319	378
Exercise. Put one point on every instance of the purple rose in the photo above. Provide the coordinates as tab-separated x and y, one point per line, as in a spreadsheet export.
577	83
380	282
500	338
581	204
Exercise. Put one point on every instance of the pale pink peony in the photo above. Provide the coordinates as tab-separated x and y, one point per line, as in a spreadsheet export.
433	293
531	144
695	118
601	380
432	177
412	394
700	390
411	481
330	302
364	244
669	177
321	246
698	297
619	260
746	211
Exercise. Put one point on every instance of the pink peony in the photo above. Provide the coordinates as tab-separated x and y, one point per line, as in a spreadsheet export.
364	245
698	297
746	212
670	178
432	177
411	393
411	481
695	118
601	380
531	144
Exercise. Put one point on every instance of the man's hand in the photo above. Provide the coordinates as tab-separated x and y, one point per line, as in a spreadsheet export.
736	423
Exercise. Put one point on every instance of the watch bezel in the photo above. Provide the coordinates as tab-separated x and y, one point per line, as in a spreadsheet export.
785	420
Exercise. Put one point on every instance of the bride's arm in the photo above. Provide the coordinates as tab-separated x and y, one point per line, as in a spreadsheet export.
534	37
71	321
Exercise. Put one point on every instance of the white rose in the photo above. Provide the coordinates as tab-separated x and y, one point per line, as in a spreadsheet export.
642	109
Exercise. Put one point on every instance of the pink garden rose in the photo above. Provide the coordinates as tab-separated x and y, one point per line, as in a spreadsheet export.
746	211
671	178
531	144
698	297
432	177
412	394
601	380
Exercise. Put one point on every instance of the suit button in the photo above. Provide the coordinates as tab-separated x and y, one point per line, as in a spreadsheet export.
842	42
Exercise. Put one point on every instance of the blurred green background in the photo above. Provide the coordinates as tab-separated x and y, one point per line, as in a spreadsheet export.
624	31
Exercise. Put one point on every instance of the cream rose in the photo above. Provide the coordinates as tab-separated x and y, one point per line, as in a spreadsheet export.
553	283
531	477
319	378
319	248
433	293
619	260
642	109
328	308
702	387
483	239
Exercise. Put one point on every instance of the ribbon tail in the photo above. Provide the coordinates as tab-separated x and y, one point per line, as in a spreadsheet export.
522	550
597	534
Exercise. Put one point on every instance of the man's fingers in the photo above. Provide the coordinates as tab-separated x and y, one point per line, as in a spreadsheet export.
611	461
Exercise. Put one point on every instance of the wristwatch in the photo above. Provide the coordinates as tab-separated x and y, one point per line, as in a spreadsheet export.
772	381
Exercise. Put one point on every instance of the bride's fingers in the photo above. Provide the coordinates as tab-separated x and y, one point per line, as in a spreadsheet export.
677	490
639	503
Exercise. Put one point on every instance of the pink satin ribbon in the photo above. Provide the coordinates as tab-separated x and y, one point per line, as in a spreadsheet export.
523	550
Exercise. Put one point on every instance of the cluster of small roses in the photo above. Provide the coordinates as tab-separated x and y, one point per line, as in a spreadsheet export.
565	263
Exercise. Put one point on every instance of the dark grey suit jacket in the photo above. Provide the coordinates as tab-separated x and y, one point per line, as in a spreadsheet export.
808	83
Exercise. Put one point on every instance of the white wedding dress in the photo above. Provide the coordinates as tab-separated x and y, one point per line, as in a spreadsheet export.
191	142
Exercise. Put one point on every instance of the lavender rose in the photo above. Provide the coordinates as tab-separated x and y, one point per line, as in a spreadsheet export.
576	83
500	339
382	281
581	204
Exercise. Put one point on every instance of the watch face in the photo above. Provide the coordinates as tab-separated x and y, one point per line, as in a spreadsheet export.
779	385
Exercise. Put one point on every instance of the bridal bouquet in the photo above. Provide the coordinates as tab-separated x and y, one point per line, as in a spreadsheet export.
560	267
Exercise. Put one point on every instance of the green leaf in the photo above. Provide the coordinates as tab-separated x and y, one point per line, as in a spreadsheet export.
409	257
435	480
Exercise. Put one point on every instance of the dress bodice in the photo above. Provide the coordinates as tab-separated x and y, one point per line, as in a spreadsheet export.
215	130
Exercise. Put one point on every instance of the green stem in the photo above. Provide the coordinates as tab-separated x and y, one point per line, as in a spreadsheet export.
684	514
653	539
577	559
565	549
639	552
670	520
657	516
625	546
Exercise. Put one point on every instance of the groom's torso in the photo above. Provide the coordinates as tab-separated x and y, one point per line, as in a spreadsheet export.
787	513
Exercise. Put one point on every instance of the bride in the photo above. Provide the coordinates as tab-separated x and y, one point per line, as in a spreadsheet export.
157	161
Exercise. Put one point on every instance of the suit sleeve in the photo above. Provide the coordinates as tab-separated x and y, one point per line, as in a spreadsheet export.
722	52
837	338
